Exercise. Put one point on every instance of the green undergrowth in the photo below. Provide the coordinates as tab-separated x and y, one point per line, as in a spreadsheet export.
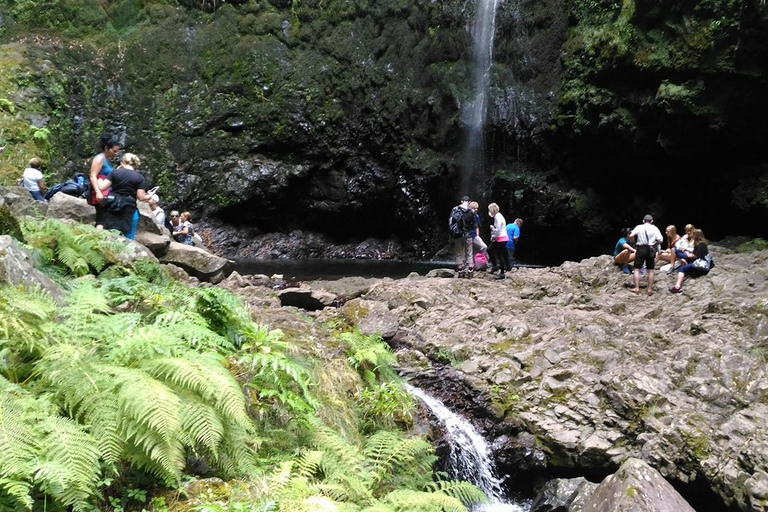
131	385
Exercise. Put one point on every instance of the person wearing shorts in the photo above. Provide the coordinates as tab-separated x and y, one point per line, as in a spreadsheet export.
647	238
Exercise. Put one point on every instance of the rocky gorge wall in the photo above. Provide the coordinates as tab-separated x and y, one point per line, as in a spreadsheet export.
307	128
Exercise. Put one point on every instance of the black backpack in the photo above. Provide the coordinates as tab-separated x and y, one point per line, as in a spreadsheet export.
462	221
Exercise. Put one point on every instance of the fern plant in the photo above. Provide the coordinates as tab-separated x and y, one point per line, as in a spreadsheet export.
141	389
78	249
388	473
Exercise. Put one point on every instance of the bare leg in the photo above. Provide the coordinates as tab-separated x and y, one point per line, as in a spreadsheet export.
636	289
650	281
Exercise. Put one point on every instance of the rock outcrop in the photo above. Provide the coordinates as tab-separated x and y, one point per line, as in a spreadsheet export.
599	375
17	268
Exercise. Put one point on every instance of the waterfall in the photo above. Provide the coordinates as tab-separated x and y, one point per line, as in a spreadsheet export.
470	456
474	116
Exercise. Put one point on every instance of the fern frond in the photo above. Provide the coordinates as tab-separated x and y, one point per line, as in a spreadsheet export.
25	318
17	491
417	501
309	463
329	441
206	377
465	492
202	423
390	454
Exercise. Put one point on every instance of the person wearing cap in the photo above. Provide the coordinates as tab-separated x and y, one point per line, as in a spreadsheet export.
462	224
647	238
158	212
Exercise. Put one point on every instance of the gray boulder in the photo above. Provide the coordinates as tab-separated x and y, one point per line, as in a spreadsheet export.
63	206
21	203
306	298
371	317
158	244
198	263
17	268
636	487
563	495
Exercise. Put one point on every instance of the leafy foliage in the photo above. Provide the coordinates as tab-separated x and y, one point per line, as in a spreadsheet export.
388	473
78	249
146	386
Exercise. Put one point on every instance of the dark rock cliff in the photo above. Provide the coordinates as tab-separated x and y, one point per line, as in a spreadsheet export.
340	121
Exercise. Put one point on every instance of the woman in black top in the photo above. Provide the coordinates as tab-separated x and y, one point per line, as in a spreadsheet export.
128	186
700	251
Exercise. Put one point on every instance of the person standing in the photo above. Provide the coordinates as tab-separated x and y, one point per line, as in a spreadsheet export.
499	241
101	169
128	186
32	180
513	232
477	241
462	224
647	238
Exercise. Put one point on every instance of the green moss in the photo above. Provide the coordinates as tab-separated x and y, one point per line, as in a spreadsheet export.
758	244
9	225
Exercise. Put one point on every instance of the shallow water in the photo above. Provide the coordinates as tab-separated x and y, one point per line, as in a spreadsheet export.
326	269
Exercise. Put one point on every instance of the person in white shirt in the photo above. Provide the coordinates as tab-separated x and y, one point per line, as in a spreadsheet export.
647	238
32	180
158	212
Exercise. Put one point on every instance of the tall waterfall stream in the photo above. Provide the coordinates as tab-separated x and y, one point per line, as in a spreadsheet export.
470	456
475	113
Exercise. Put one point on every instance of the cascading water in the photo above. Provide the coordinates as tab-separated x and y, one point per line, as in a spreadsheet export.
474	115
470	456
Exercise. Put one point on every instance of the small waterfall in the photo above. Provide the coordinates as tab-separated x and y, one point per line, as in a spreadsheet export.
470	456
473	174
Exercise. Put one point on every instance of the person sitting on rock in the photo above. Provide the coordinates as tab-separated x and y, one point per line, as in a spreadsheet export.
700	251
185	231
668	254
685	244
158	212
32	180
624	253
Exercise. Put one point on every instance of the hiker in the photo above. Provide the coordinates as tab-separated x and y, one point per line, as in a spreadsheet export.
685	244
158	212
477	242
499	239
185	231
101	168
32	180
647	237
624	253
128	186
701	261
513	233
462	224
668	254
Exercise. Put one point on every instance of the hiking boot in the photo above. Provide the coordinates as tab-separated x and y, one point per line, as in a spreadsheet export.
500	276
469	273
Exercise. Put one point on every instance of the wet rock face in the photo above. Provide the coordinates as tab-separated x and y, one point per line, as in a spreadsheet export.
596	375
345	122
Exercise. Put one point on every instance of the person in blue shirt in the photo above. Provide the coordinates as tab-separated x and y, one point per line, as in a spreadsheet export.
513	232
624	253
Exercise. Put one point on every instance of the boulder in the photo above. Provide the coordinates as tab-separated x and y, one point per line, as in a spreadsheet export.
441	272
197	262
21	203
306	298
17	268
158	244
563	495
148	222
371	317
636	487
63	206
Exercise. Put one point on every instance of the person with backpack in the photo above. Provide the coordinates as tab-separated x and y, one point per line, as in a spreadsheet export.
462	225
